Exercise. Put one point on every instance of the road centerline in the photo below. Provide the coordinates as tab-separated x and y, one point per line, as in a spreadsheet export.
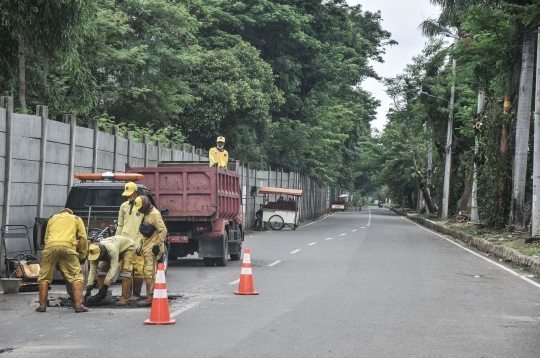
313	243
295	251
274	263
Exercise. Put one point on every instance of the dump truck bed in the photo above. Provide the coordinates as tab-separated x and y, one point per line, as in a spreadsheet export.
197	192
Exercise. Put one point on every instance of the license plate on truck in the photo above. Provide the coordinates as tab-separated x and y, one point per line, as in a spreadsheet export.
178	239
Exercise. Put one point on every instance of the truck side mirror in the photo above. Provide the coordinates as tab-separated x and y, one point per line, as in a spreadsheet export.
164	212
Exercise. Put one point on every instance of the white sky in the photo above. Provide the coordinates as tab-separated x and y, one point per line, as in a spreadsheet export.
401	18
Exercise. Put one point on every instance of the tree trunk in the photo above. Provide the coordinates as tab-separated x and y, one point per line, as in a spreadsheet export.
522	130
464	202
22	74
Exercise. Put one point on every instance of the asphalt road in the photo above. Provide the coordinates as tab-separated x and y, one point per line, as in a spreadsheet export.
355	284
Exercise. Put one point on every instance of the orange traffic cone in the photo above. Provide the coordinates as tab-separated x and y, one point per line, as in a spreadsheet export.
160	302
245	287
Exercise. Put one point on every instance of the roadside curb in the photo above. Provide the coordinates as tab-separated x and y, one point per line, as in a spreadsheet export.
503	252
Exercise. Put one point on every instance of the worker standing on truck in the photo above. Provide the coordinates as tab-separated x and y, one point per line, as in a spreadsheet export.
65	235
152	245
218	155
110	252
129	220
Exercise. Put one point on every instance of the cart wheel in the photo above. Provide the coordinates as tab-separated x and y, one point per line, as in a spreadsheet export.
295	226
276	222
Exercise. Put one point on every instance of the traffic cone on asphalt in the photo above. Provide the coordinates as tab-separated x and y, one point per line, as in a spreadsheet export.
160	303
245	287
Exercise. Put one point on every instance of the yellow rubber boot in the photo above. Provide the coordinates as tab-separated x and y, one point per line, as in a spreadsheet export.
149	296
43	292
78	296
126	287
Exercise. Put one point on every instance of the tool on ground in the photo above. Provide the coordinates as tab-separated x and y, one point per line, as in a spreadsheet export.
159	314
245	287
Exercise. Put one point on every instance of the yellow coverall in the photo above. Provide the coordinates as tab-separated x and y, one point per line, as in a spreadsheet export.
65	245
158	238
128	225
217	156
118	248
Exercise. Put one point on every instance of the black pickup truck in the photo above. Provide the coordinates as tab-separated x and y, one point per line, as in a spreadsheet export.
97	203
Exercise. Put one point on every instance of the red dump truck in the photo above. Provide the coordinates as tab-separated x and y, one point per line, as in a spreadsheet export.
204	206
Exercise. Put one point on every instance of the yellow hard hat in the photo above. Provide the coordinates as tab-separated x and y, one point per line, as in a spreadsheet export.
137	204
93	252
129	188
220	139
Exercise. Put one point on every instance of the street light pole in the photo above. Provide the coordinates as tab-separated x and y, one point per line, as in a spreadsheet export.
448	164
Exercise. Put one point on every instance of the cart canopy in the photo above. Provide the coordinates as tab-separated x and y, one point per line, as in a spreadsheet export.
272	190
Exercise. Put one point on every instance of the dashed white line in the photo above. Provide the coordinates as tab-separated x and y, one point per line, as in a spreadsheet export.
353	230
275	263
295	251
234	282
343	234
329	238
363	227
184	309
313	243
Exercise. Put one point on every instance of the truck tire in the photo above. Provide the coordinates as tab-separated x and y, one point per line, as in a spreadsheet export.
208	261
222	261
235	257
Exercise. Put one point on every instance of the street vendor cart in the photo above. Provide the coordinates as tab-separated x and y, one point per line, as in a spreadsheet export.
283	211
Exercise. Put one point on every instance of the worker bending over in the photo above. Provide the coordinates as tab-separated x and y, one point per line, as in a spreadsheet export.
65	235
218	155
110	252
129	220
152	245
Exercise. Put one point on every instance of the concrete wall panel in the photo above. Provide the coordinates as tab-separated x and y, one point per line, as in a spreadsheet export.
136	163
26	148
152	154
24	171
23	215
55	195
121	146
81	170
26	125
121	161
137	150
3	120
49	211
83	157
56	174
105	160
166	154
84	137
1	194
23	194
58	132
105	142
2	143
57	153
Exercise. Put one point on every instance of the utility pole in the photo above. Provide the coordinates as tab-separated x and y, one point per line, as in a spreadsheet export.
475	220
535	217
448	164
429	165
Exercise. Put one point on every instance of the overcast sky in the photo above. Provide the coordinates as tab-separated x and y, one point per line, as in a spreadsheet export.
401	18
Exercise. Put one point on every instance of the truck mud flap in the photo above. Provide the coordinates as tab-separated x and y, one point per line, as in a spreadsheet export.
211	246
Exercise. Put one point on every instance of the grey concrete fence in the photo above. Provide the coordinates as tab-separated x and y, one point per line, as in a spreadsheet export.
38	158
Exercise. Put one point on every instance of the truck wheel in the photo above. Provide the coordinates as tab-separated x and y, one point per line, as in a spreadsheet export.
235	257
208	261
276	222
222	261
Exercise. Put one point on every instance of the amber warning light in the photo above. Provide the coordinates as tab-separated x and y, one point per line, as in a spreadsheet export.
109	176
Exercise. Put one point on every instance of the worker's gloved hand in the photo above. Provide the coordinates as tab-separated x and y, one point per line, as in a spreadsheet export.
138	249
155	250
103	291
88	292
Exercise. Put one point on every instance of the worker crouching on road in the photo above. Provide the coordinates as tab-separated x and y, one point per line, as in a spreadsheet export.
218	155
110	252
65	235
152	245
129	221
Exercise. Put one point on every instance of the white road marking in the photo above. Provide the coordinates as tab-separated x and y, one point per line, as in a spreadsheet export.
329	238
523	277
363	227
316	221
184	309
234	282
353	230
275	263
368	223
343	234
313	243
295	251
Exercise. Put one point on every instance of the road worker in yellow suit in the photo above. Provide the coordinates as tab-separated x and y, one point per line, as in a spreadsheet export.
65	246
152	245
108	253
218	155
129	220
